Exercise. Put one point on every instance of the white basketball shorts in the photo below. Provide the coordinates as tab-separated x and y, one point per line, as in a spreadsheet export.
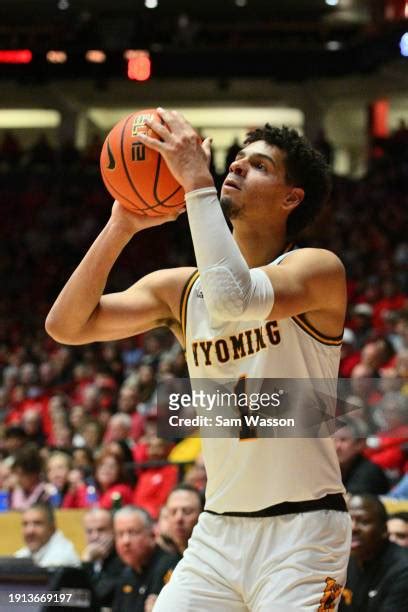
291	562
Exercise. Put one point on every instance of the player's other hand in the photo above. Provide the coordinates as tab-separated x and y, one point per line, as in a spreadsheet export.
206	147
180	146
133	223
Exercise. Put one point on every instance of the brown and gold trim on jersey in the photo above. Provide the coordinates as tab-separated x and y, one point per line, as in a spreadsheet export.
314	333
184	300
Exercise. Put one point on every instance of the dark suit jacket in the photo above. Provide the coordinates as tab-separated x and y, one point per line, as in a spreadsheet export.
381	585
365	477
105	581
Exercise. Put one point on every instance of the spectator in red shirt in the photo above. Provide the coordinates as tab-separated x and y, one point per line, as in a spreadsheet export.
110	479
392	300
127	404
349	355
386	448
110	483
197	475
156	482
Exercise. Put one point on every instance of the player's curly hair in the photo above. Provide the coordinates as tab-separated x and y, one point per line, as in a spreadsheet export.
305	168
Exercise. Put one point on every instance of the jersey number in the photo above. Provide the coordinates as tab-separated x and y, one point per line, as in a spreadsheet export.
246	432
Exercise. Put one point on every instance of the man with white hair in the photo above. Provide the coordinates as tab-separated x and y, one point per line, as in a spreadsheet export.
136	547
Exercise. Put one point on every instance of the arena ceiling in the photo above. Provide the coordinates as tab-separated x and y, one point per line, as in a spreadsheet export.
281	39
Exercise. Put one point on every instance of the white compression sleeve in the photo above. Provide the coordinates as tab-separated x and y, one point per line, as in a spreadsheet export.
231	290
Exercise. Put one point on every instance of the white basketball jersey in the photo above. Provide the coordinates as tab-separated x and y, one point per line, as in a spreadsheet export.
249	475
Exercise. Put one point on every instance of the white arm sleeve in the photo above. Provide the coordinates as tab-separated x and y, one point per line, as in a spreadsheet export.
231	290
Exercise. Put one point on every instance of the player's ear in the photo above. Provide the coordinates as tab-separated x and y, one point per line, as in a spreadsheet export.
293	198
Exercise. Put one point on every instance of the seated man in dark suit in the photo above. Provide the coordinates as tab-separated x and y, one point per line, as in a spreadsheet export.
184	505
377	574
99	559
359	475
144	560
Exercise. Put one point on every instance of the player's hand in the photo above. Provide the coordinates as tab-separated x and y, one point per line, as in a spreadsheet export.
206	147
133	223
181	148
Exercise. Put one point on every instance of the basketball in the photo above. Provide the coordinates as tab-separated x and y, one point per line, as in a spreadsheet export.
135	175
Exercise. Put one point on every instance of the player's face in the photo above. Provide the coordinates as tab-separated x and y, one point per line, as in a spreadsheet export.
368	533
256	181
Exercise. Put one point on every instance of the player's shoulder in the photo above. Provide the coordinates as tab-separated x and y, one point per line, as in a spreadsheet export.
316	259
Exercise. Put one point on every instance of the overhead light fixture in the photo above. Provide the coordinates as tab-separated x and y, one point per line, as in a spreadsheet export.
63	5
332	2
15	56
151	4
241	3
56	57
333	45
95	56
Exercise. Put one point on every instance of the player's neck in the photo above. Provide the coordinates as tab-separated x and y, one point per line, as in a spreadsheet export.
259	246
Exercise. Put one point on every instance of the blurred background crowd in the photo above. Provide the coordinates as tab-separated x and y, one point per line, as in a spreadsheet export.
90	401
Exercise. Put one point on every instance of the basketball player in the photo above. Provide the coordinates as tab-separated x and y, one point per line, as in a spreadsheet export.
276	534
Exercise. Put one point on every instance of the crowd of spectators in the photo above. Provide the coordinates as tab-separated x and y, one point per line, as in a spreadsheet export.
78	425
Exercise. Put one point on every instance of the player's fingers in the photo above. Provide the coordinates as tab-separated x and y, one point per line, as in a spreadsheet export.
160	129
168	117
206	146
174	120
152	143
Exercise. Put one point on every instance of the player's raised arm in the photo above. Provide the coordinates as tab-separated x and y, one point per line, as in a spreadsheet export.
81	314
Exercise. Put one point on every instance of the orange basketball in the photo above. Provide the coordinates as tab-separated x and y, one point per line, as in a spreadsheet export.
134	174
